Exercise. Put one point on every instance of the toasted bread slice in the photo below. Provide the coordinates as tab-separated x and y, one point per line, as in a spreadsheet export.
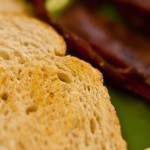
49	101
58	107
13	7
28	38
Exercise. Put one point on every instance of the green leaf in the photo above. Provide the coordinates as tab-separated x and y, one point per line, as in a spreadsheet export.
57	7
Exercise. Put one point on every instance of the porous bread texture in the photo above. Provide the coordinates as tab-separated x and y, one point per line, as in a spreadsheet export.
49	101
28	38
58	104
13	7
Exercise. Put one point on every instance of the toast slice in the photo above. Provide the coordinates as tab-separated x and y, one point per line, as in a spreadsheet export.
49	101
28	38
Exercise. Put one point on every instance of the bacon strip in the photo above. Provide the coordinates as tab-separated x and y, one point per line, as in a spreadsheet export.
137	12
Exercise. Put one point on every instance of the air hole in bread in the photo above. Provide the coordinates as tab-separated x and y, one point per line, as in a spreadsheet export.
85	106
64	77
12	79
86	142
43	69
31	109
4	55
18	90
97	118
4	96
89	89
21	61
19	74
21	145
33	94
81	99
19	57
92	126
6	112
45	142
26	44
30	73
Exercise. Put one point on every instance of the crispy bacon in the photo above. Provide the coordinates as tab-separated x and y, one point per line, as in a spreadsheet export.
123	56
137	12
93	3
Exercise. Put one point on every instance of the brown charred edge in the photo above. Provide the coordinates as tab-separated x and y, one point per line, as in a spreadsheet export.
125	76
